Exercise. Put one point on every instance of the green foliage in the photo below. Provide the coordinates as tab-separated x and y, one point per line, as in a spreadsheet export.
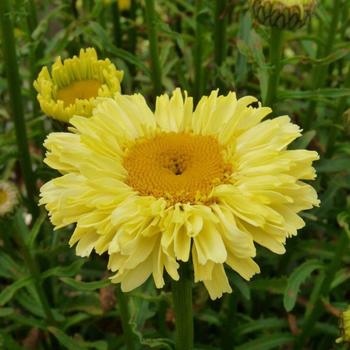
294	302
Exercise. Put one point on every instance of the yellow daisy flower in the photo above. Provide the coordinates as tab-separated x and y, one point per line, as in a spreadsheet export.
345	326
73	85
8	198
124	5
153	189
283	14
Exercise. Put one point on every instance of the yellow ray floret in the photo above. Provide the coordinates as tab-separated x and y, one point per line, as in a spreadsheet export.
153	189
75	83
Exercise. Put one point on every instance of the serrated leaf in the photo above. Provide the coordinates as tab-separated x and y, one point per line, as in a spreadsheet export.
267	342
297	277
85	286
7	294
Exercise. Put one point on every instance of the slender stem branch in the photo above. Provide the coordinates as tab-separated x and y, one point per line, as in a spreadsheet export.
319	73
19	228
125	317
220	34
322	290
151	21
182	298
198	54
276	46
117	29
14	86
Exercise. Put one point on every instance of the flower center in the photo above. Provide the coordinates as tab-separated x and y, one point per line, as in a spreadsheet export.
179	167
83	89
3	197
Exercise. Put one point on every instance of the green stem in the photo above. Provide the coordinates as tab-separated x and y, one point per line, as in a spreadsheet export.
19	228
14	87
337	117
220	34
198	54
125	318
182	298
276	46
132	36
322	291
319	73
117	31
151	21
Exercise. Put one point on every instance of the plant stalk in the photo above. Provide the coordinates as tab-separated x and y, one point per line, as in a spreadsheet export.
322	291
319	73
275	55
151	22
198	54
117	29
18	227
220	35
14	87
122	299
182	298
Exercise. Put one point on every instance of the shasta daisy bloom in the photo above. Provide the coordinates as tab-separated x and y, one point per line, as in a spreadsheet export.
8	198
74	84
154	189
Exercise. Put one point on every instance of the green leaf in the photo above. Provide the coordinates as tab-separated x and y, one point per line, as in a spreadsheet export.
303	141
333	165
261	325
35	230
7	294
64	271
314	94
298	276
241	285
267	342
85	286
75	344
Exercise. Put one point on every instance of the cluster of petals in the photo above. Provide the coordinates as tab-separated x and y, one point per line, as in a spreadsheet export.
144	235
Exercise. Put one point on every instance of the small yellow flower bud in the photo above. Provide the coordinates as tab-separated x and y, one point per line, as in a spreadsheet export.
283	14
345	326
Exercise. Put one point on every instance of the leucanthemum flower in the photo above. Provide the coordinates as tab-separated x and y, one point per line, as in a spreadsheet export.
74	84
154	189
283	14
8	198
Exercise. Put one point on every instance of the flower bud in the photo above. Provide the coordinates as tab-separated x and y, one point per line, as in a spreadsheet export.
345	326
283	14
8	198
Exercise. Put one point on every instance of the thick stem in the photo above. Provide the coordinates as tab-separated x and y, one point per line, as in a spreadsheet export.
182	298
322	291
125	317
14	87
276	46
220	34
198	54
18	227
151	21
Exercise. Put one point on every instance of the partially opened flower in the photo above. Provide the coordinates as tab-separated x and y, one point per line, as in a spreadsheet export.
283	14
8	198
74	84
345	326
153	189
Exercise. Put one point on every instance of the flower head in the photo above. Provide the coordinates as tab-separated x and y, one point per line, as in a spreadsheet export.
73	85
8	198
283	14
345	326
153	189
124	5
